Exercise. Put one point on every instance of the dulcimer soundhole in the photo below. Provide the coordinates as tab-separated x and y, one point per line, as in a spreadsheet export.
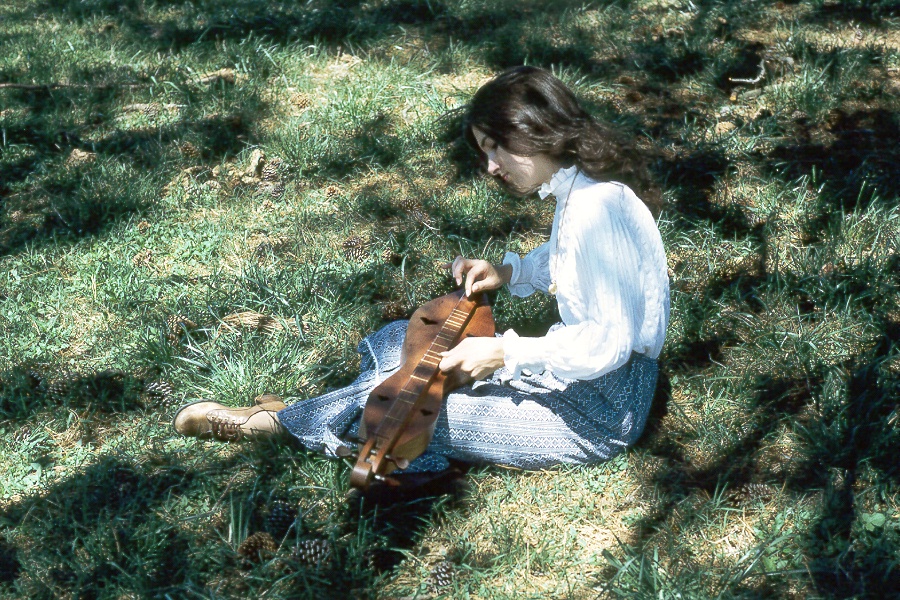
400	415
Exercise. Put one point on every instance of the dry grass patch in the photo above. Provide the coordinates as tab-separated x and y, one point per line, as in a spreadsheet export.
525	528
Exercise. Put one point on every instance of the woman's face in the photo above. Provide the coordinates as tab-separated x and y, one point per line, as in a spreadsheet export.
521	174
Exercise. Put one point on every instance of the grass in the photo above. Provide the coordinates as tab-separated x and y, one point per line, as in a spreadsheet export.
149	258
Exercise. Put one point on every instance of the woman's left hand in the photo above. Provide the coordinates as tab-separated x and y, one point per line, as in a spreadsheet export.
476	357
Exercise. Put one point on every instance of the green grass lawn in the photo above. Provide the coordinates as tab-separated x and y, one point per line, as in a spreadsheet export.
220	198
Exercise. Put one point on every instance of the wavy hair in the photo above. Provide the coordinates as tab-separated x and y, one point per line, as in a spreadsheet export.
528	111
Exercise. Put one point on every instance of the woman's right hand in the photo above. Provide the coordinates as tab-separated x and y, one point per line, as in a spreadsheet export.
479	275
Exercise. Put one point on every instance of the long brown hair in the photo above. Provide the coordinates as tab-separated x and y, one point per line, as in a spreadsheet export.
528	111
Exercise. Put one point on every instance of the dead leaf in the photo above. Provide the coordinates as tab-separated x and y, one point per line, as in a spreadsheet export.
251	320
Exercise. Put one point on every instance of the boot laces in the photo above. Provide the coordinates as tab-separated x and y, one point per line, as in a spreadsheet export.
225	429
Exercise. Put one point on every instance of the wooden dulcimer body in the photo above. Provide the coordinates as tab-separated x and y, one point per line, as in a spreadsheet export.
400	415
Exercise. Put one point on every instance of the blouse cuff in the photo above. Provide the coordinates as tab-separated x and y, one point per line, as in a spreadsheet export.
520	279
522	354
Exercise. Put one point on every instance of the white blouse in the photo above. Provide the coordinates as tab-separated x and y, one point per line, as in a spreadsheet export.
606	256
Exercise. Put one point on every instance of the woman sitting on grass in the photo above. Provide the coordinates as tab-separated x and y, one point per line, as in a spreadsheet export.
582	392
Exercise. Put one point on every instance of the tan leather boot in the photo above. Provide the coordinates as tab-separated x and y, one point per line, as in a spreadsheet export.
206	419
190	420
234	424
270	402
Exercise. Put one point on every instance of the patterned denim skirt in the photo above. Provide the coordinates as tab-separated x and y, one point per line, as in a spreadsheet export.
532	422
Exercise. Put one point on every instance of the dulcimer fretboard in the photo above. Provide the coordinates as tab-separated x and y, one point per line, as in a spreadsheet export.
404	404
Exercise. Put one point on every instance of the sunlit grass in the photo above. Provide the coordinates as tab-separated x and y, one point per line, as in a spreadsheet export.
218	199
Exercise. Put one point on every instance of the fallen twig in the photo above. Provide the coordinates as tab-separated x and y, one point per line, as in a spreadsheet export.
152	107
757	79
233	323
226	75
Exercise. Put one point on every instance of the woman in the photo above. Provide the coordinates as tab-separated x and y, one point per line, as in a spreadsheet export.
582	392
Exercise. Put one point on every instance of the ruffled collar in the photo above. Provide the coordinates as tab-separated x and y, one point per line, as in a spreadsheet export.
559	178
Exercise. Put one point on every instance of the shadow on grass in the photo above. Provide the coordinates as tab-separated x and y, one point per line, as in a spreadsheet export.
856	161
867	12
329	21
483	227
693	178
845	435
744	66
861	149
776	399
99	531
372	146
847	552
70	203
120	526
503	35
71	188
26	390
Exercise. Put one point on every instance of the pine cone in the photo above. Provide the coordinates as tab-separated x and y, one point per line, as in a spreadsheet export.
258	547
280	518
314	552
408	203
148	110
159	389
263	250
189	150
273	189
60	388
420	216
33	379
176	327
393	311
271	170
332	191
144	258
354	248
389	256
413	208
277	189
441	575
300	100
752	492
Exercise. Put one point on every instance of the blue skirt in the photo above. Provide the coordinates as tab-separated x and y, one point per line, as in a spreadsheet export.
533	422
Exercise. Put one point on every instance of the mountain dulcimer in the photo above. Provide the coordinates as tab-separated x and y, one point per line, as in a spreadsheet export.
400	415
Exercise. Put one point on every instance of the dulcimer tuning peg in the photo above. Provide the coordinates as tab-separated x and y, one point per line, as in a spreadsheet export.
344	452
392	482
401	463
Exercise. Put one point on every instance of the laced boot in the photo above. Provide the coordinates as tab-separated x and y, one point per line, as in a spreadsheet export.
234	424
190	420
271	402
206	419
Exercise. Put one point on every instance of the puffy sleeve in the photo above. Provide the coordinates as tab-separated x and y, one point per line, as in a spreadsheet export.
529	273
601	293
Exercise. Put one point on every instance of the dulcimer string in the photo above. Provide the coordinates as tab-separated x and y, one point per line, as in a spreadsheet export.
404	405
405	429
